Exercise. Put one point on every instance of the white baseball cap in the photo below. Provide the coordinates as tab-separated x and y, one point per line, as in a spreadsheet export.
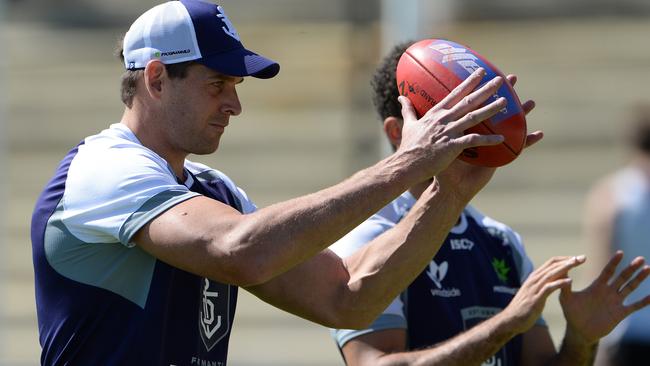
192	30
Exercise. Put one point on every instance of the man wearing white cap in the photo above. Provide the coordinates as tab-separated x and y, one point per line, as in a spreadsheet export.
138	252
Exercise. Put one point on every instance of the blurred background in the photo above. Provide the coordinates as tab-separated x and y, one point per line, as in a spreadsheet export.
583	61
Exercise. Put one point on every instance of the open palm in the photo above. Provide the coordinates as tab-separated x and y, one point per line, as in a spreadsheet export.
593	312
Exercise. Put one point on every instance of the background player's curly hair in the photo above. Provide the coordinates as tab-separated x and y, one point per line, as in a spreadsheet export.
384	84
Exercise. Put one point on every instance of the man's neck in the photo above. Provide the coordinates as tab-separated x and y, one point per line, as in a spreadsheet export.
153	139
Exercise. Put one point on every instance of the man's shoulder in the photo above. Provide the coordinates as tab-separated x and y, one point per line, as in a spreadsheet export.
205	172
116	135
117	148
210	176
112	169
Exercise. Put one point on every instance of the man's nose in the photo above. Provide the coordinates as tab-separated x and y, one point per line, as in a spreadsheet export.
232	105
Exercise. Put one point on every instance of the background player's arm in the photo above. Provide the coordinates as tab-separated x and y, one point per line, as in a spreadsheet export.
590	314
388	347
599	216
538	350
351	292
475	345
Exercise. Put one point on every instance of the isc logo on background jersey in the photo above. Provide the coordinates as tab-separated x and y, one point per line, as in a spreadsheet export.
461	244
214	321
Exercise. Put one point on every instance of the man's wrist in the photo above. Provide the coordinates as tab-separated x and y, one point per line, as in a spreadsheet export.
577	348
394	170
508	324
454	195
575	338
446	197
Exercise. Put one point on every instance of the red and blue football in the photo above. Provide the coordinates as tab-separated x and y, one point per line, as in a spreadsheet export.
431	68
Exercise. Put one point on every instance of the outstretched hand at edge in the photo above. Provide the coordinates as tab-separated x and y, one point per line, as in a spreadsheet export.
593	312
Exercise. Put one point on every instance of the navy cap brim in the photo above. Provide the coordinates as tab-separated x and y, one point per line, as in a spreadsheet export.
241	62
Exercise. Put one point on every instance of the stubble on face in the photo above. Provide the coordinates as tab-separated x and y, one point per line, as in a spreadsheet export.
194	121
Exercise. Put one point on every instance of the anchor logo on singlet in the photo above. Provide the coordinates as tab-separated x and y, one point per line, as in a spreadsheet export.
214	321
437	272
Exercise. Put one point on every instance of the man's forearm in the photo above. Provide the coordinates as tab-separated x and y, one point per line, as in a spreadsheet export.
295	230
352	292
382	269
472	347
574	352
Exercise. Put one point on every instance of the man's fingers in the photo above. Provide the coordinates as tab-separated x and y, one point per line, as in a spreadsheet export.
553	269
528	106
557	263
565	292
634	283
476	98
541	271
638	305
609	269
463	89
627	273
556	268
408	111
474	140
562	268
475	117
549	287
533	138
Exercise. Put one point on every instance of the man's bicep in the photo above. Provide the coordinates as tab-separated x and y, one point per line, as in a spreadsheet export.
187	235
366	349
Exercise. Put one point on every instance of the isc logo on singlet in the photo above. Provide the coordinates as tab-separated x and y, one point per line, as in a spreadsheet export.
461	244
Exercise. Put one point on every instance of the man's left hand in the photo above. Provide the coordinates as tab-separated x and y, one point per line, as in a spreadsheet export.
593	312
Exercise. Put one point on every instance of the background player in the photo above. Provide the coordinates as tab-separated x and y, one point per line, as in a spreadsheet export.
617	217
477	301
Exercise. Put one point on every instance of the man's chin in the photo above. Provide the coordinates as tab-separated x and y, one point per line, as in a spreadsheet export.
207	151
204	150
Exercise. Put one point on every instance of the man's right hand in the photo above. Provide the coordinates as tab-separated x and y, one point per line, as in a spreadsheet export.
432	142
467	180
527	305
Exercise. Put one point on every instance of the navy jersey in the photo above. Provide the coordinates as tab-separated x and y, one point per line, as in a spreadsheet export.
474	275
100	298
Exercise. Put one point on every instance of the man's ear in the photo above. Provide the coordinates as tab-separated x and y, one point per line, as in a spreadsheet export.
154	73
393	130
